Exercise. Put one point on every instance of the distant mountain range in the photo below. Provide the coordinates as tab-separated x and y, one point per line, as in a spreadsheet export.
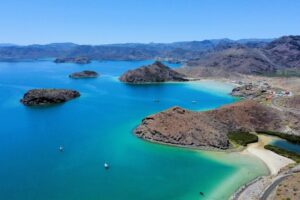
127	51
250	56
7	45
281	55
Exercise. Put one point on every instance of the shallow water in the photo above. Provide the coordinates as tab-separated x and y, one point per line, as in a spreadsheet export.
286	145
97	128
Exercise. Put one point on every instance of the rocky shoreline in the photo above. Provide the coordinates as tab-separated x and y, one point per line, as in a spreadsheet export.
177	126
182	128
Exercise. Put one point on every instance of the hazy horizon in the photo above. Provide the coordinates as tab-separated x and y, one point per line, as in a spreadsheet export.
67	42
116	21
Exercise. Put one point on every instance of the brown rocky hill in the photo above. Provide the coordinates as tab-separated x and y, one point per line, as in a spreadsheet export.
157	72
236	59
281	54
285	51
182	127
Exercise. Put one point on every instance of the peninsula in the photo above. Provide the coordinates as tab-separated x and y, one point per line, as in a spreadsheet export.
178	126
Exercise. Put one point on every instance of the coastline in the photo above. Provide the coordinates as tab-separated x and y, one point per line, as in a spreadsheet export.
242	183
197	148
234	180
235	156
274	162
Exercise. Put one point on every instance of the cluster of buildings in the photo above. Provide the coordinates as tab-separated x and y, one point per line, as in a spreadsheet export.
260	88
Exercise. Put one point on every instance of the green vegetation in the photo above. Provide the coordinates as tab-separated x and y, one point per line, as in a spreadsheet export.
291	138
242	138
289	154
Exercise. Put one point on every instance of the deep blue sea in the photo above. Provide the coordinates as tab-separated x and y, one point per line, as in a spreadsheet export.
97	128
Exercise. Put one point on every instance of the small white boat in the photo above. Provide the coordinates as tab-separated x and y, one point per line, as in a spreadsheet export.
194	101
106	166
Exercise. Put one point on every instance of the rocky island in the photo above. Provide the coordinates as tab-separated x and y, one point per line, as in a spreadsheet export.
177	126
77	60
155	73
41	97
84	74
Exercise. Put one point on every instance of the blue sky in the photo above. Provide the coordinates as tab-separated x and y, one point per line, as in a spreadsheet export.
119	21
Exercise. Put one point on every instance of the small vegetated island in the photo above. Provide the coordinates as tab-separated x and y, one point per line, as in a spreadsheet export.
154	73
43	97
84	74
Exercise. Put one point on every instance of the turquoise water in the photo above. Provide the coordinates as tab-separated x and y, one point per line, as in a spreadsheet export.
97	128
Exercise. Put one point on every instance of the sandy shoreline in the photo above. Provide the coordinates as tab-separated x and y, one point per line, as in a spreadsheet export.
273	161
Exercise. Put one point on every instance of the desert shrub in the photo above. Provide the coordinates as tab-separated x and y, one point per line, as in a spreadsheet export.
289	154
242	138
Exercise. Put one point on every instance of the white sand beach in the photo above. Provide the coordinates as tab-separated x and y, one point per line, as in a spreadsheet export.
273	161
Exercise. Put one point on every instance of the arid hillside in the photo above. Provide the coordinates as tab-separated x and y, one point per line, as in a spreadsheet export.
178	126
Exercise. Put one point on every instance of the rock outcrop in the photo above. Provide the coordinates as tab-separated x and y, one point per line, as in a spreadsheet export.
157	72
40	97
182	127
77	60
84	74
251	91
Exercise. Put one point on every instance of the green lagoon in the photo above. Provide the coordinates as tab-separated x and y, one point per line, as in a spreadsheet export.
97	128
